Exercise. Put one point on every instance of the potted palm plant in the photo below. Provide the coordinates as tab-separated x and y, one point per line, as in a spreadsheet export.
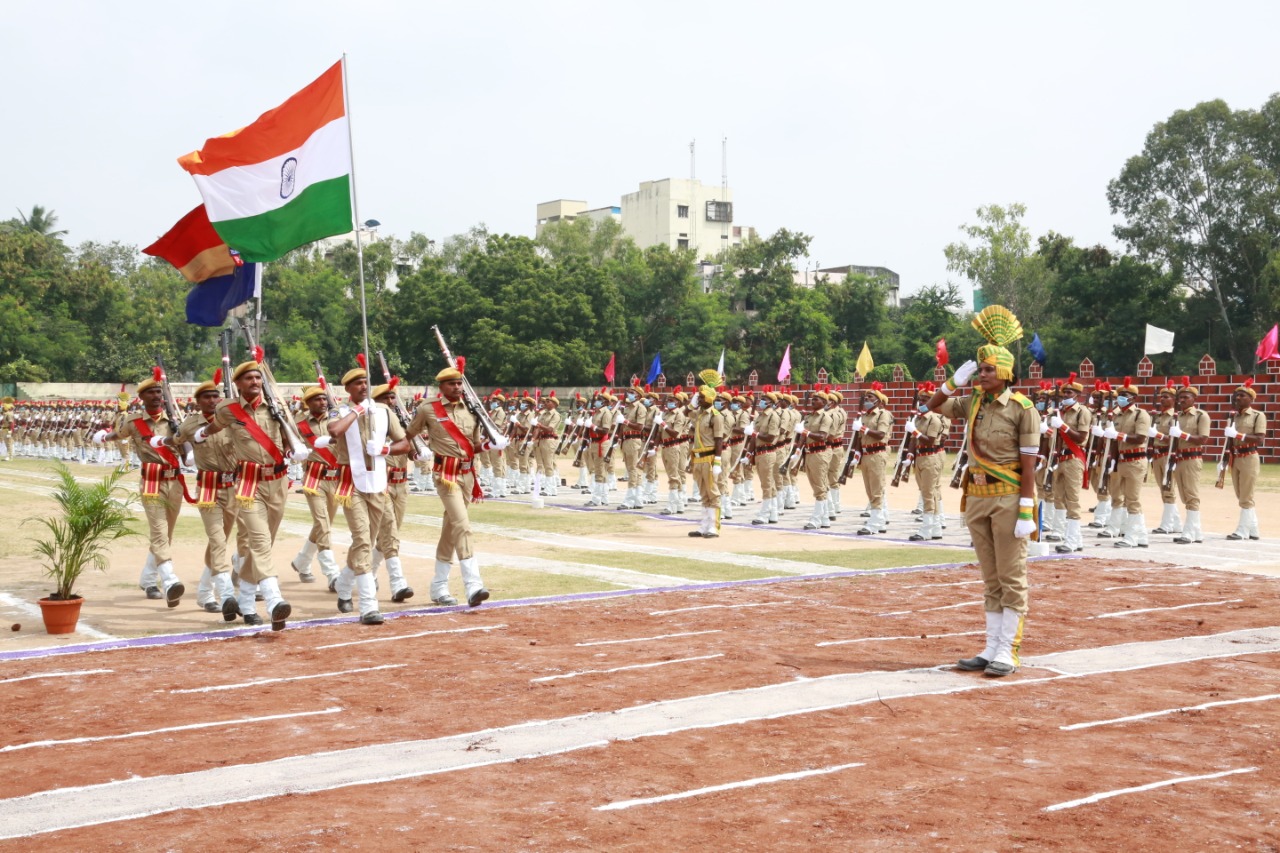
91	517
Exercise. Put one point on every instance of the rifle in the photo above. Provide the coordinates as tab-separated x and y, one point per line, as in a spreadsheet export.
270	396
961	465
1224	464
653	432
224	340
469	396
1166	480
1104	474
906	455
854	458
527	444
419	447
567	437
1051	464
616	408
170	403
324	385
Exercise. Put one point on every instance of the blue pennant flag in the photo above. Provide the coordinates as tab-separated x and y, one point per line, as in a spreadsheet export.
209	301
654	369
1036	348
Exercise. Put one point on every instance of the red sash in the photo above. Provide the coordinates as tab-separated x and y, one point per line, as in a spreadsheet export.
151	485
246	421
304	427
448	473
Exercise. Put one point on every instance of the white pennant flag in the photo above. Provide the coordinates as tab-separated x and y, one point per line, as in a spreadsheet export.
720	366
1158	340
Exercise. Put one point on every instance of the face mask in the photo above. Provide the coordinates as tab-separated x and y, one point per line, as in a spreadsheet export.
647	402
719	404
1122	401
493	407
1040	406
733	407
631	398
764	404
524	407
597	404
1068	401
868	405
671	406
922	408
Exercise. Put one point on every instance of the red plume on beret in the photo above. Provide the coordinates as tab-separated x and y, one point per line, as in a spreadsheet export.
1186	382
217	376
553	393
1071	377
360	360
258	354
1248	382
647	387
417	396
877	386
122	384
678	389
391	385
157	373
1046	385
461	362
1128	380
323	384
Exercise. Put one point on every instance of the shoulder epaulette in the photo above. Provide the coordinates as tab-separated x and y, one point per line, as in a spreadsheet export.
1023	399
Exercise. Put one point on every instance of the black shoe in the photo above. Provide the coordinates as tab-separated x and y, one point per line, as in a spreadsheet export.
211	607
711	536
230	609
1182	540
154	593
444	601
915	537
973	664
403	595
252	619
333	585
279	614
1161	530
996	669
1234	537
173	594
696	534
865	531
345	605
864	515
374	618
480	596
1066	549
1095	524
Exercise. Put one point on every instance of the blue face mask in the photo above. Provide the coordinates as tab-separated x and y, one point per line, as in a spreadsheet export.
764	404
631	398
1040	406
1068	401
494	406
922	408
524	407
671	406
647	402
719	404
595	404
1122	401
868	405
733	407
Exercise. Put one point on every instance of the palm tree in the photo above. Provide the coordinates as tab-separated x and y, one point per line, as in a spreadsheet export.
40	221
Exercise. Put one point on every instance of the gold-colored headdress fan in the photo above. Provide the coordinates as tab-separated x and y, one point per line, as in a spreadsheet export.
1000	327
711	380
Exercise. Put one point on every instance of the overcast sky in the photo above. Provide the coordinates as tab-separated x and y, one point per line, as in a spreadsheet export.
876	129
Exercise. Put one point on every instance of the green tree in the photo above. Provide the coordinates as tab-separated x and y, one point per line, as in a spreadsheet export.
40	222
1002	262
1203	201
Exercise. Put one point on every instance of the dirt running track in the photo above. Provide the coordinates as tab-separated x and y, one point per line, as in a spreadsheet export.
596	722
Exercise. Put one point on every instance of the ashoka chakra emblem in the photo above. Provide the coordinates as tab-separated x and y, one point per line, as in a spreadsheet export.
288	177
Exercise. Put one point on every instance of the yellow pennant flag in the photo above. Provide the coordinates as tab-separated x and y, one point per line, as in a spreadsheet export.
865	364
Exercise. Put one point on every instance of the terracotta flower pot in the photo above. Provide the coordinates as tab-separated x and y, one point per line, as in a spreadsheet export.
60	617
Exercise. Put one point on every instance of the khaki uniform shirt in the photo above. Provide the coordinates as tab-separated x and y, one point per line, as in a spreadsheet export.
320	428
549	419
880	419
212	454
159	426
243	446
1248	422
769	422
819	421
933	429
1003	425
441	443
1135	423
1193	422
707	425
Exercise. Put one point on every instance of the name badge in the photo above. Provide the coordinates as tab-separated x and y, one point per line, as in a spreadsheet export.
979	478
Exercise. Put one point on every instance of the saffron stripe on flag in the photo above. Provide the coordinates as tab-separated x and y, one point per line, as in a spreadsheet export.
257	188
319	211
276	131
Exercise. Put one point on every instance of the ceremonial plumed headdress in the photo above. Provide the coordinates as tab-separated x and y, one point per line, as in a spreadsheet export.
384	388
1000	327
361	372
1071	384
877	388
209	385
1187	387
710	381
151	381
311	391
453	372
1247	388
1129	388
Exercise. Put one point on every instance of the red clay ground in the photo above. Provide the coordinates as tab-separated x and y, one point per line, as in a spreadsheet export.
964	771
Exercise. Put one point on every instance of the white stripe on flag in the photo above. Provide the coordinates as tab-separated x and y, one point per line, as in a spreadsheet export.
250	190
1158	340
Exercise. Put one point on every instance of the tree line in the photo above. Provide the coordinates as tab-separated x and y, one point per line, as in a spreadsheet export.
1201	224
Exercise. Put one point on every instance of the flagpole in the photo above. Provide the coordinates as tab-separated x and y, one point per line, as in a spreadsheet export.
355	211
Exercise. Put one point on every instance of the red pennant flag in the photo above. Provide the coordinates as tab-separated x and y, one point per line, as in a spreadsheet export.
1269	346
609	368
943	358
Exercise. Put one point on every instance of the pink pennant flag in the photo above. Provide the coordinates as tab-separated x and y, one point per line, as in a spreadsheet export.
784	369
609	368
1269	346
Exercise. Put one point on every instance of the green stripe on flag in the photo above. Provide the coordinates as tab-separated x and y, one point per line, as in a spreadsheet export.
321	210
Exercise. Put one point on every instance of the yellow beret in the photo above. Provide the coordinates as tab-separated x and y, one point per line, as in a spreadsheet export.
311	391
379	390
204	387
448	373
353	374
244	367
149	382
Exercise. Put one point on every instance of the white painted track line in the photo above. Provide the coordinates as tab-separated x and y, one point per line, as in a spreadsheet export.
1093	798
730	786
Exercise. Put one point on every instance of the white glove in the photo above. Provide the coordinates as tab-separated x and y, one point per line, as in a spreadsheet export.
299	455
156	441
1175	431
582	422
200	436
749	429
1055	422
911	426
322	442
500	443
1110	432
716	469
1044	428
619	419
374	448
964	373
190	459
857	425
658	419
1153	433
1230	431
343	411
1096	430
100	437
800	430
1024	528
651	452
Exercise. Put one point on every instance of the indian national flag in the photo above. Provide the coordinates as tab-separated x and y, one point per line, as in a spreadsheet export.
284	180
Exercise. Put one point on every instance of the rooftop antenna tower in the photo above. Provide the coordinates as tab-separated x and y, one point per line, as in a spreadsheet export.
693	199
724	191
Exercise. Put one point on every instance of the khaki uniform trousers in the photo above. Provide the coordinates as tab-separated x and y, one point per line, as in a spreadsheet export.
816	465
705	480
497	461
835	467
455	532
631	459
784	476
256	526
873	467
219	520
603	468
364	519
649	464
1187	479
324	507
735	470
1126	484
929	481
1043	494
722	481
524	460
1003	556
1244	476
1068	480
394	506
162	515
766	466
673	465
546	452
1158	466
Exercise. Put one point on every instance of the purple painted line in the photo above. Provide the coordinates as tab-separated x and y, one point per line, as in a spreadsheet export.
229	633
